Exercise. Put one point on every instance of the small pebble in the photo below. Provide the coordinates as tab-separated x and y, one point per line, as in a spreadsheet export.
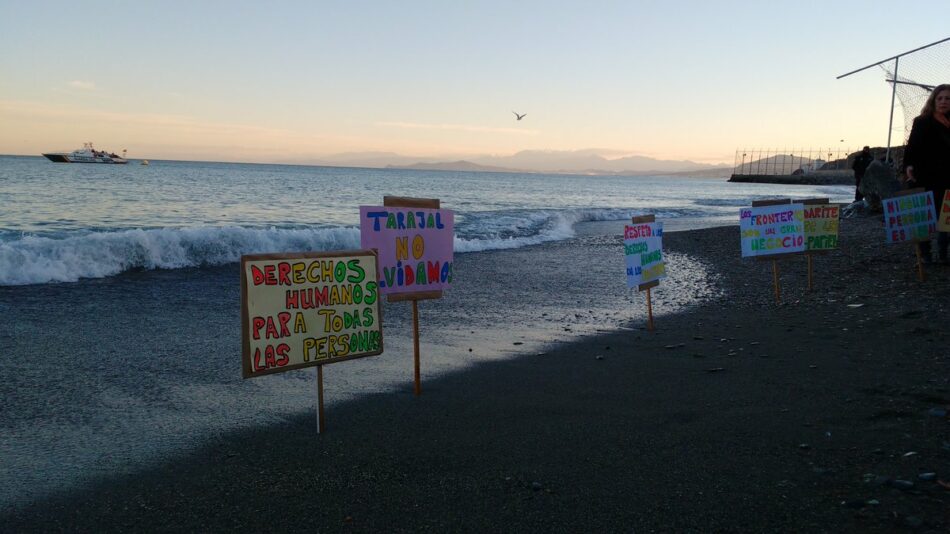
599	357
536	486
937	412
902	484
804	446
927	476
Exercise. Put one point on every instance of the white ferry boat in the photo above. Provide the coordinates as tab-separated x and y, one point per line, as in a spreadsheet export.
87	154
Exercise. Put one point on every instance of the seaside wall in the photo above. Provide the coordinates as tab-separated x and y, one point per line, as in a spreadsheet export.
817	178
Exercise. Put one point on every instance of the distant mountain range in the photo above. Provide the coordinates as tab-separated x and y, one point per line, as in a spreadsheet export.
460	165
547	161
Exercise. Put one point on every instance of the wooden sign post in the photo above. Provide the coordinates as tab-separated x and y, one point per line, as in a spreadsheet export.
775	284
308	309
643	250
769	229
821	229
415	240
910	217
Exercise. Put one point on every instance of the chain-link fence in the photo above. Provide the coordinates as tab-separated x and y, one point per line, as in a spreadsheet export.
786	161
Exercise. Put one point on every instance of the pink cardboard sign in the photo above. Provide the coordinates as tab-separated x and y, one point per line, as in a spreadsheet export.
415	246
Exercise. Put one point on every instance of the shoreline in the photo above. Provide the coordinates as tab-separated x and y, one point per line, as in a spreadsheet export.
737	414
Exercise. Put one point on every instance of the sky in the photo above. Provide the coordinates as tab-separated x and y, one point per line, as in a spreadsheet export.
288	81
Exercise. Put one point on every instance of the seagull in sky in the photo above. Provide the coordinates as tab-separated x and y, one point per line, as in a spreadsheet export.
519	117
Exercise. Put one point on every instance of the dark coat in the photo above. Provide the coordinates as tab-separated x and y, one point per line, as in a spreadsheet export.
861	163
928	151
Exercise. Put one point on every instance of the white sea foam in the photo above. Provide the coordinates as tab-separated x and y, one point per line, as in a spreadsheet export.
38	260
496	231
32	259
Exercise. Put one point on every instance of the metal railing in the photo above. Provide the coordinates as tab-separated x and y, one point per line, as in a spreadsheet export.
790	161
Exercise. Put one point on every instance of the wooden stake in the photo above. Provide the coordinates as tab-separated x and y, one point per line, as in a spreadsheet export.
778	292
809	270
321	427
920	264
649	312
415	344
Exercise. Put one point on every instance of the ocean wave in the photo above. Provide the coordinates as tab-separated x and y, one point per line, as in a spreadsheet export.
724	202
516	229
39	260
34	259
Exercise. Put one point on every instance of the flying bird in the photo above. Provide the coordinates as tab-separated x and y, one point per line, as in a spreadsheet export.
519	117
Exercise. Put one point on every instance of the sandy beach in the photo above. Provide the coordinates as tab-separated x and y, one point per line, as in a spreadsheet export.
826	412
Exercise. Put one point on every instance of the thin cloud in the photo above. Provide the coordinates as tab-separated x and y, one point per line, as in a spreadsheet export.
82	85
456	127
183	129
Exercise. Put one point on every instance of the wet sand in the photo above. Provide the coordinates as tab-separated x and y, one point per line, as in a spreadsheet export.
815	414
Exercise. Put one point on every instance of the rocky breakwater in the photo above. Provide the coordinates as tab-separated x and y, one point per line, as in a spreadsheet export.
837	177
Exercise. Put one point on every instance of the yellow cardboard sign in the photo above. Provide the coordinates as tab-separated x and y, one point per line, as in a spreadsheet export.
821	226
305	309
943	216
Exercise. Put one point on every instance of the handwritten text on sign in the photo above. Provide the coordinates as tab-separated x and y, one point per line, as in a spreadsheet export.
821	226
308	309
775	229
943	220
910	217
643	249
415	246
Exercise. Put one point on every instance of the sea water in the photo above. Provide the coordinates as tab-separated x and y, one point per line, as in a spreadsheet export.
65	222
119	292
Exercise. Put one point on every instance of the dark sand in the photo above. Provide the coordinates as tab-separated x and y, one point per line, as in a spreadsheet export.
738	415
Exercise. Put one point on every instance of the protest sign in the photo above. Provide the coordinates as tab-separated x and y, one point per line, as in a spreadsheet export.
643	252
770	229
643	249
415	247
821	230
910	216
943	218
821	226
305	309
415	240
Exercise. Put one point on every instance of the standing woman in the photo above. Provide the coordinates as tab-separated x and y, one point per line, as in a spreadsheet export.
927	157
